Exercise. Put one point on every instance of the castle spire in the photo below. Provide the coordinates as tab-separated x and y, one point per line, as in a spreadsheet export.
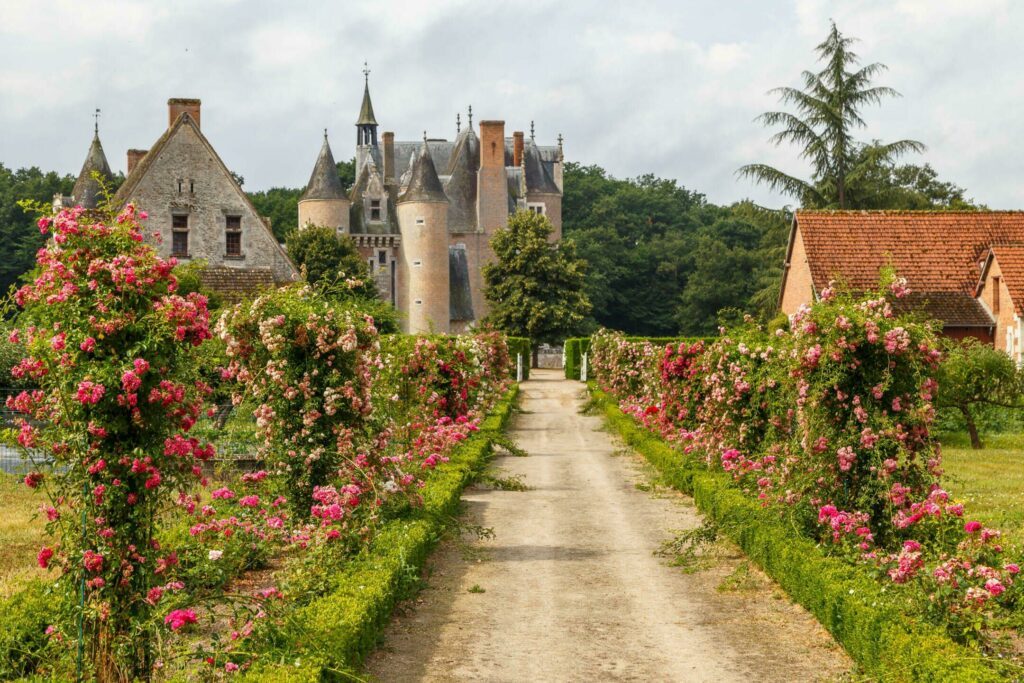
424	185
366	125
324	182
87	190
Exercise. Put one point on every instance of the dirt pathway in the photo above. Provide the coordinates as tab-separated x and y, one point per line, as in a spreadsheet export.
570	587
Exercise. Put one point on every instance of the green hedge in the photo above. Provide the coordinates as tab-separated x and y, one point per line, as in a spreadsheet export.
336	631
520	345
877	631
25	616
574	350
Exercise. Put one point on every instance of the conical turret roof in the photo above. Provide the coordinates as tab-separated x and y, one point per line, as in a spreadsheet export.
87	190
537	177
324	182
424	185
366	116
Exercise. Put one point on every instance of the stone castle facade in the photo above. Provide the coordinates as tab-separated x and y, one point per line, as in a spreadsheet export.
421	213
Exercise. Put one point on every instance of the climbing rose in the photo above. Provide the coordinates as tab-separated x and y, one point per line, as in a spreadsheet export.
43	558
179	618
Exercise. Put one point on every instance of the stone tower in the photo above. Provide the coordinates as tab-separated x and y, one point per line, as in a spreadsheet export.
324	202
423	269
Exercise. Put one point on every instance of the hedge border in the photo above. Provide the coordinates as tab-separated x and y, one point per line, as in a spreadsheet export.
574	349
341	628
520	345
881	638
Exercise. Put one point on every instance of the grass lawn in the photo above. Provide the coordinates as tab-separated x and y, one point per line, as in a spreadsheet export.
990	482
21	533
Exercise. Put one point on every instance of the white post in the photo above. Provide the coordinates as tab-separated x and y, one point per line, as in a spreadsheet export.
583	369
519	367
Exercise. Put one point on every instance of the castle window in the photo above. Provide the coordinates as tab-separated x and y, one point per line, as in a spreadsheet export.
233	236
420	221
382	257
374	209
192	187
179	235
180	181
417	264
369	263
537	208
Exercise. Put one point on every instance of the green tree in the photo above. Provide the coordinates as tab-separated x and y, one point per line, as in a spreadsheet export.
327	257
973	375
884	184
828	109
535	287
20	239
281	206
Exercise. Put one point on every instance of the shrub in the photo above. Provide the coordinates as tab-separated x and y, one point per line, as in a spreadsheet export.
109	344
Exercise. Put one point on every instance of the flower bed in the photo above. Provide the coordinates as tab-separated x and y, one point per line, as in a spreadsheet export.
349	426
826	426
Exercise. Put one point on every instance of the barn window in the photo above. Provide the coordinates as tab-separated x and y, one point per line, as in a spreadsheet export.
995	295
233	236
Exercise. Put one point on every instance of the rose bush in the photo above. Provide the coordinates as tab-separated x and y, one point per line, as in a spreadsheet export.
109	345
829	423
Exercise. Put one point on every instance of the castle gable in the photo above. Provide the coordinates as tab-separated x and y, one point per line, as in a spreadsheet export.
197	208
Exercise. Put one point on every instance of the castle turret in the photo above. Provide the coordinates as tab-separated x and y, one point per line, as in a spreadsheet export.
424	289
324	202
87	191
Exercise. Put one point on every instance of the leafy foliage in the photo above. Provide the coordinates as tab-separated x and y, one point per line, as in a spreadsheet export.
828	109
535	287
973	375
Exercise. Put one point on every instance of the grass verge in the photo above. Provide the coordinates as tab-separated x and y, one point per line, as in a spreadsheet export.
886	642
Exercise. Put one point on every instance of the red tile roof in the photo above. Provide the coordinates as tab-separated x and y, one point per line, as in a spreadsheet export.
939	252
1010	258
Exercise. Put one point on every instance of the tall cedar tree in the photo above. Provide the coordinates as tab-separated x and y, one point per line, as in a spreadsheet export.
535	287
828	110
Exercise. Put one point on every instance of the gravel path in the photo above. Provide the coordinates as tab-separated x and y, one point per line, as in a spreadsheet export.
572	589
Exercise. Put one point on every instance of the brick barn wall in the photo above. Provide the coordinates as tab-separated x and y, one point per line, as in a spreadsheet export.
799	288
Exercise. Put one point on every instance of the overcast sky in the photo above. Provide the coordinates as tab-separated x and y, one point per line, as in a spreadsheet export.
669	87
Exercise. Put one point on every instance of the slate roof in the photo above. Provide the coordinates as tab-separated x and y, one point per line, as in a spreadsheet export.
460	186
460	298
424	185
324	182
1010	258
87	190
939	252
538	178
366	116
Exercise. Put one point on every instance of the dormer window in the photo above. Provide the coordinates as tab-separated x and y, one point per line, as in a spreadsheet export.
375	210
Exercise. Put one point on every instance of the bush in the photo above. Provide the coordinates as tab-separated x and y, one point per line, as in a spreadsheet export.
574	350
520	346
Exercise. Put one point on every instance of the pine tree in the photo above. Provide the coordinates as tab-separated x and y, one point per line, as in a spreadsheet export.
828	110
535	287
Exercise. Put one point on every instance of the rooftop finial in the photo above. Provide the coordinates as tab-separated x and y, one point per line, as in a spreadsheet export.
458	123
531	130
471	116
96	123
366	73
325	133
424	136
559	141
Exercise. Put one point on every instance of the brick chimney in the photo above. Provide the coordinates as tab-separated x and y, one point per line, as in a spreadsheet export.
176	106
492	144
389	156
134	157
517	148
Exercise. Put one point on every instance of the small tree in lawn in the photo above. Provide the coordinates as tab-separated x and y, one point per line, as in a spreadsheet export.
975	374
535	287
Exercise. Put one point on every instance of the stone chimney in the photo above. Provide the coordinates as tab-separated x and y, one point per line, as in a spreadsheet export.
176	106
134	157
389	157
517	148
